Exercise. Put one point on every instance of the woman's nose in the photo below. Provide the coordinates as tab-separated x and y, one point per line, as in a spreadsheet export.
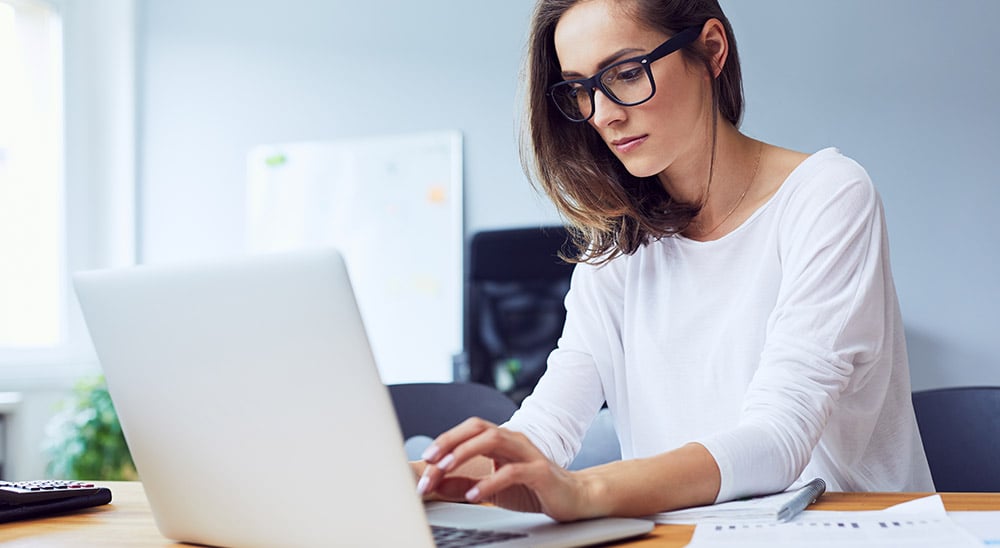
606	111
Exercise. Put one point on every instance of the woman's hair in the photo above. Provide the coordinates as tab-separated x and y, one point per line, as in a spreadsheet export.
609	210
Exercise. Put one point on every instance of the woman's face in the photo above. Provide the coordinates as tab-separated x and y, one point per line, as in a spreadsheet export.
647	138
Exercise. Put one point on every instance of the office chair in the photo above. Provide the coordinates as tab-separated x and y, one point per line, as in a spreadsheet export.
428	409
960	428
515	285
600	445
425	410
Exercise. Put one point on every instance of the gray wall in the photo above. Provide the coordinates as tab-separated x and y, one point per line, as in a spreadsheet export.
906	87
910	89
219	77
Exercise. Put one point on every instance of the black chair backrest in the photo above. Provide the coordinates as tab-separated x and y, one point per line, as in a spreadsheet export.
960	428
514	311
428	409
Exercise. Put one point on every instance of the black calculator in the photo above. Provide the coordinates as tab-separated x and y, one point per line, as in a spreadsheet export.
28	492
30	499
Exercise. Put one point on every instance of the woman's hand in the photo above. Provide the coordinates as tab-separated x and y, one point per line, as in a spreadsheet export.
523	478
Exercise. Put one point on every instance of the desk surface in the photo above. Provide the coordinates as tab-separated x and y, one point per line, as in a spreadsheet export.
127	521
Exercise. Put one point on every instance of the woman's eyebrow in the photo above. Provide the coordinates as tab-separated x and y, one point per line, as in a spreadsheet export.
605	62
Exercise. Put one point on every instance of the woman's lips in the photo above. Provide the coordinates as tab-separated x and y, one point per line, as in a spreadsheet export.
623	146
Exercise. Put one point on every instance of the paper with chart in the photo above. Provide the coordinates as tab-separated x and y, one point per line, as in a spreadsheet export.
393	206
922	522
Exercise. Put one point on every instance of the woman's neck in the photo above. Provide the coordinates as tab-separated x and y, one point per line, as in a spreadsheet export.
736	165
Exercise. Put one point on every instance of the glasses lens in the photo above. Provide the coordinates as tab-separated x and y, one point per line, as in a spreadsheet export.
573	100
627	83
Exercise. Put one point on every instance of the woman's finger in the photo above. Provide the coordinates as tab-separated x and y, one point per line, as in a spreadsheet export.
536	486
446	442
496	443
454	488
467	441
528	474
441	458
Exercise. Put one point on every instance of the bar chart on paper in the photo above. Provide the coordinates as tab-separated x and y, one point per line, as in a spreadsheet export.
857	531
393	206
919	522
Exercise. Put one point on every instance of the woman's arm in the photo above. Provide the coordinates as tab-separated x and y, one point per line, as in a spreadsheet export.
686	476
526	480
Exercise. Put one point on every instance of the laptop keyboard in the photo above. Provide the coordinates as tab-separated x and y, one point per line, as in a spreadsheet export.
453	537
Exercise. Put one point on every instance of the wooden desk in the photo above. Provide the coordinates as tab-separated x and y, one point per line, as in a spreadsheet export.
127	521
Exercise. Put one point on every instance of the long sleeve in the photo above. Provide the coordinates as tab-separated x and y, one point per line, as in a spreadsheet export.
824	336
565	401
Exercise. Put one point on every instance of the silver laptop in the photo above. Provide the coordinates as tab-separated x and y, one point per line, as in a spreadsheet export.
251	403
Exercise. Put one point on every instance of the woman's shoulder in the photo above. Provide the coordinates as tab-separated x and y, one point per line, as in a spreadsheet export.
602	270
606	276
827	196
829	166
826	177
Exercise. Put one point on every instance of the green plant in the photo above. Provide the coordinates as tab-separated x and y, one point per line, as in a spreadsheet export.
84	439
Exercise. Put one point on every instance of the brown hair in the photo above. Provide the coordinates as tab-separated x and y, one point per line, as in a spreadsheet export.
609	210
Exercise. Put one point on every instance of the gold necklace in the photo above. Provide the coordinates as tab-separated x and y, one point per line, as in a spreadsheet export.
753	175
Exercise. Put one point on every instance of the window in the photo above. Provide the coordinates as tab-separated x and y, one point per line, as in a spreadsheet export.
32	244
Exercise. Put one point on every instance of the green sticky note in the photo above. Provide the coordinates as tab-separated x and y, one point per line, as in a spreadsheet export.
276	160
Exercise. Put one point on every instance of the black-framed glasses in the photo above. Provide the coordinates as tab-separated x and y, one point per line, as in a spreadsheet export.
628	82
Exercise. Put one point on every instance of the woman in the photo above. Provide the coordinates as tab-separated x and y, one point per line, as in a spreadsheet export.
734	307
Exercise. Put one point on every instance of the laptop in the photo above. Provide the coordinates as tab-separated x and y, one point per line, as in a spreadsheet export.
254	411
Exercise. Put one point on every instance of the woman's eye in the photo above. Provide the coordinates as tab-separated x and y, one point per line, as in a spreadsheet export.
625	74
629	74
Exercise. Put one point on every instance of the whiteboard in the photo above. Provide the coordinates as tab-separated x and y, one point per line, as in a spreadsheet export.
393	206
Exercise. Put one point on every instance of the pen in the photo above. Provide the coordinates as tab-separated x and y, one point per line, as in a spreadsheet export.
803	498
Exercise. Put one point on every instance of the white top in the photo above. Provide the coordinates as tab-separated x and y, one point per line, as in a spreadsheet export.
779	347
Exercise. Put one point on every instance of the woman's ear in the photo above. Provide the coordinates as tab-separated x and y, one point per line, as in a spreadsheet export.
716	45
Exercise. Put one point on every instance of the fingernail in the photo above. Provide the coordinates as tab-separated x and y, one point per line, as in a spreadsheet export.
446	462
422	484
430	452
472	495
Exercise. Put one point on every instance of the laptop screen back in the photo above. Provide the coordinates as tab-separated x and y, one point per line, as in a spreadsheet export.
251	404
